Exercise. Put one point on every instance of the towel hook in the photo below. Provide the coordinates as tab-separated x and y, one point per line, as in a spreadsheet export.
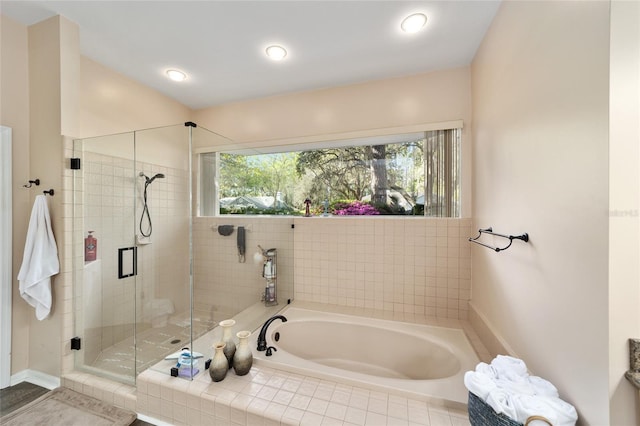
32	182
49	192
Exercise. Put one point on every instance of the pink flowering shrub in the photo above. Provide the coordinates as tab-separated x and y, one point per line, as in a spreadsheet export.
354	208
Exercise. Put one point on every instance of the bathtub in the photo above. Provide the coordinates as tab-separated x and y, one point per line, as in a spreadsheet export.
416	361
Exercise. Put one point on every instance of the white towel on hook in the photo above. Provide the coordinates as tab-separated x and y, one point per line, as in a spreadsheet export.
40	260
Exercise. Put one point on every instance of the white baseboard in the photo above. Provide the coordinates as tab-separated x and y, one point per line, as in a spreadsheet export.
37	378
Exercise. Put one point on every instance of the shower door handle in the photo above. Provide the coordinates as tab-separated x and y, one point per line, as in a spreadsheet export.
127	262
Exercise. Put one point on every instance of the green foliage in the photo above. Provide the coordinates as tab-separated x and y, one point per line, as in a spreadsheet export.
258	175
254	211
237	177
353	173
343	172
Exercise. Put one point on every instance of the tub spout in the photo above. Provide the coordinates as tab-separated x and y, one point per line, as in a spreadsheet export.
262	337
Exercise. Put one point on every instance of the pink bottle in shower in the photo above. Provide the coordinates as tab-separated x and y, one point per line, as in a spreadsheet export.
90	248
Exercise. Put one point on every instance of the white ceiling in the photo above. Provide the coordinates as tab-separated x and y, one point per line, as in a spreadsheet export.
220	44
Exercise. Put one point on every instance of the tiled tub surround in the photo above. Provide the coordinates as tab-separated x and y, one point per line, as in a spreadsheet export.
274	397
268	396
406	265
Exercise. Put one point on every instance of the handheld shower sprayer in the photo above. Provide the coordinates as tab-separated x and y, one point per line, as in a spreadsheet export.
145	209
148	180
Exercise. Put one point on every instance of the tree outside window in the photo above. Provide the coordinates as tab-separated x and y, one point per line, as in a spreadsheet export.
376	179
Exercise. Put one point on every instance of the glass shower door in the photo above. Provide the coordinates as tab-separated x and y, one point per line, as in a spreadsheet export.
105	281
133	298
163	240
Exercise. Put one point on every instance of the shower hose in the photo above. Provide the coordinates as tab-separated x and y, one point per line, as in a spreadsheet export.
145	211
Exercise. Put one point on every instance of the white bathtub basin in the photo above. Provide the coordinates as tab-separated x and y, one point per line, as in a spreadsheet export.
419	361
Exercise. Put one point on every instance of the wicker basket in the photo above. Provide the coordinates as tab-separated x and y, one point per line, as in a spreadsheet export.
481	414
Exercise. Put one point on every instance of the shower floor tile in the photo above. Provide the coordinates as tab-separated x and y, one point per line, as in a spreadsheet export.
153	344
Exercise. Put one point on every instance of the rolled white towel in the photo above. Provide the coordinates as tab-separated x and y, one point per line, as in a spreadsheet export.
543	387
566	414
487	370
479	384
528	405
557	411
502	402
508	366
516	384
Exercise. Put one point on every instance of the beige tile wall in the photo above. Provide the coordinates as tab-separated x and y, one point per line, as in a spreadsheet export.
409	265
222	285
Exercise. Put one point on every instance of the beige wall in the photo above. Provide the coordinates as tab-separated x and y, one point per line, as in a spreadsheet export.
425	98
624	206
112	103
540	129
14	113
54	55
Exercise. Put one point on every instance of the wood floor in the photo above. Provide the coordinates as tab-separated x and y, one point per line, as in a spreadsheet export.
16	396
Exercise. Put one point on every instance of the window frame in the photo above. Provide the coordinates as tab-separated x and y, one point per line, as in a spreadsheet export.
365	137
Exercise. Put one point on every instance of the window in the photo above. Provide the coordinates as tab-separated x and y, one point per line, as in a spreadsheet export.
416	174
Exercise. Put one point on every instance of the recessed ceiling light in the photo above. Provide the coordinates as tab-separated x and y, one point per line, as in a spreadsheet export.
413	23
275	52
176	75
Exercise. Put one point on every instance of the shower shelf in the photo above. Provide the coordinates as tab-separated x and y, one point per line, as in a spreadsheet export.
524	237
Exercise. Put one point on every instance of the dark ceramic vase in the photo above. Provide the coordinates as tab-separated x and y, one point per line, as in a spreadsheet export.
219	364
243	358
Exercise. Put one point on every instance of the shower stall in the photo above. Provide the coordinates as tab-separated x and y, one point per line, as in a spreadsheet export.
137	299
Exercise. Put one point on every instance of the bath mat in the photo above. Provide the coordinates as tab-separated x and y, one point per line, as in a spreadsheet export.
16	396
63	406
